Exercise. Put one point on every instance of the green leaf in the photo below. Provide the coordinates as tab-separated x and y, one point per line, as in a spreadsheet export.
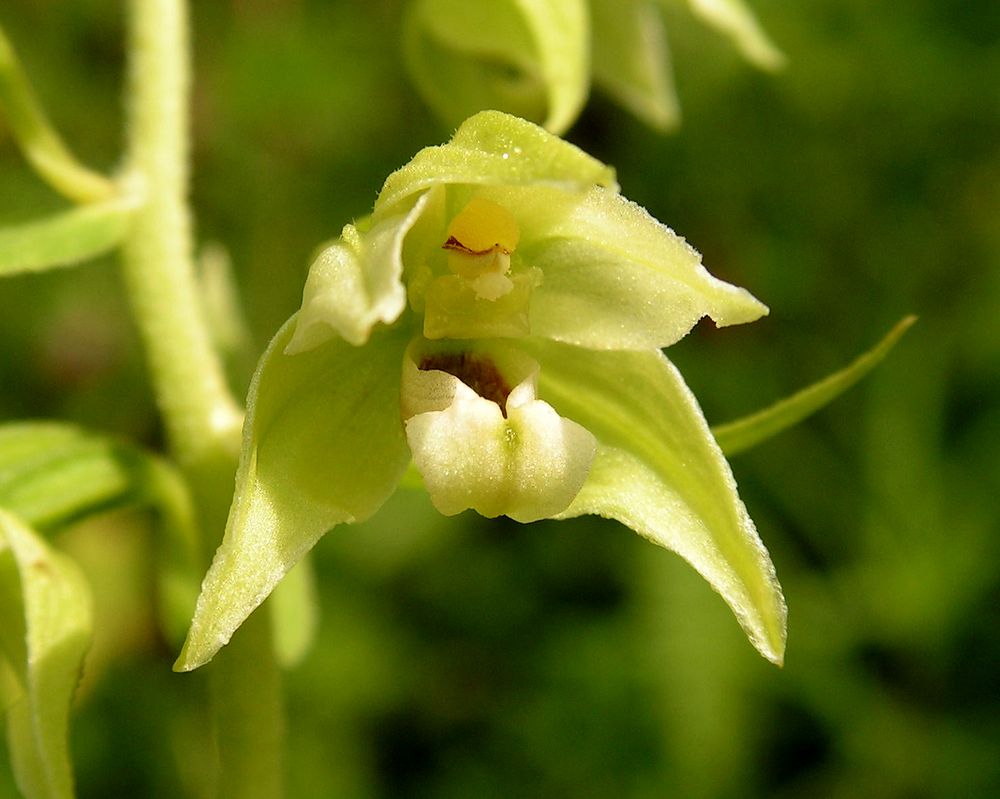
64	239
734	19
42	146
743	434
54	614
494	149
526	57
53	475
323	445
631	61
614	277
659	471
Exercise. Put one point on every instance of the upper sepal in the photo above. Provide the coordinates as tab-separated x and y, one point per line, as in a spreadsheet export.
323	444
494	149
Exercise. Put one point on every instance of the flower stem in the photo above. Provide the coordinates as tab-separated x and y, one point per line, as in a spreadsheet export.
202	419
199	412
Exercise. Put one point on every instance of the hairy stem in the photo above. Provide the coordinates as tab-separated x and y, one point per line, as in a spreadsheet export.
201	417
197	407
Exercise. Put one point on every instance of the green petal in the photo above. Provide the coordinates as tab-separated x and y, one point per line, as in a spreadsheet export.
489	149
631	61
659	471
734	19
742	434
323	444
355	283
65	238
527	57
615	278
43	596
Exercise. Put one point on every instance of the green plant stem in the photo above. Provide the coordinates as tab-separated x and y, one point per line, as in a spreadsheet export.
201	417
38	140
197	407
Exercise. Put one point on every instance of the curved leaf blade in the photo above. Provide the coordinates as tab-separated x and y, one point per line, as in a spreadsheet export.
631	61
749	431
53	475
41	144
734	19
64	239
57	624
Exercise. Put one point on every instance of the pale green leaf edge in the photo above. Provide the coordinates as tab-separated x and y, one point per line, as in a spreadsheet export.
41	144
744	433
65	238
631	61
735	20
55	474
58	622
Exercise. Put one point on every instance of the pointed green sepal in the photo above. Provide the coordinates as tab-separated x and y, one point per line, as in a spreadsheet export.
46	609
323	444
743	434
613	277
64	239
526	57
659	471
631	61
735	20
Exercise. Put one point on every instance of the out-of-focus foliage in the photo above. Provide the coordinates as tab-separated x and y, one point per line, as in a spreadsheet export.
465	657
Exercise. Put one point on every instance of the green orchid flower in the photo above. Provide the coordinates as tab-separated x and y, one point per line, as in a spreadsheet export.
539	58
497	321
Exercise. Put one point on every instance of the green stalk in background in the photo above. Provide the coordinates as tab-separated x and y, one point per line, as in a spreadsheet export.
201	417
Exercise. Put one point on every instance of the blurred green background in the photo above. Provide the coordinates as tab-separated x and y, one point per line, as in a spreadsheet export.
472	658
